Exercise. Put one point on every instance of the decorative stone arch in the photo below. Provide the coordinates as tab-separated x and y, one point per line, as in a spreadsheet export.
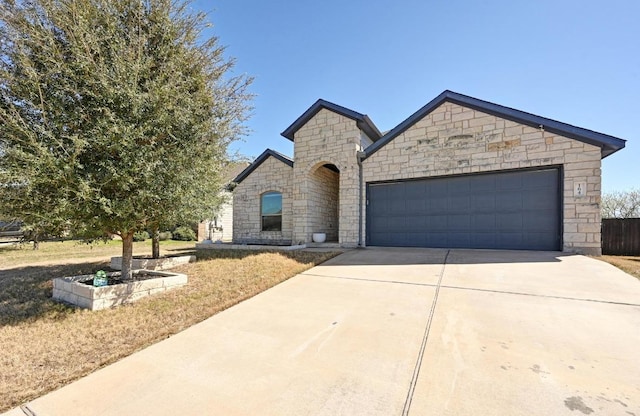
323	201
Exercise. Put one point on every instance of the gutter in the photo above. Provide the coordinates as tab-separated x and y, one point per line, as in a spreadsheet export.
360	155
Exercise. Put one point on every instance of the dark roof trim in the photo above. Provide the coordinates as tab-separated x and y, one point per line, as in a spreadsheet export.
259	160
364	123
608	144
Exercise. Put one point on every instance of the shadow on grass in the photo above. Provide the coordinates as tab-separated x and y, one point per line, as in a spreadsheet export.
25	292
6	247
303	257
181	251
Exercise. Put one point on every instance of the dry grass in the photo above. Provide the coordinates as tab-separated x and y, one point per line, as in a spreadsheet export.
54	251
628	264
46	345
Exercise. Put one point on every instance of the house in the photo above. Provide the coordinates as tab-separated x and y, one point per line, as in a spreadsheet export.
220	226
459	173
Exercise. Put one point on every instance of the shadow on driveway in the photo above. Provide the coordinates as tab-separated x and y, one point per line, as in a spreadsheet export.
415	256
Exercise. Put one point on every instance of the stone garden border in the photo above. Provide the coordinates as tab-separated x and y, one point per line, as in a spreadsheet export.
71	290
163	263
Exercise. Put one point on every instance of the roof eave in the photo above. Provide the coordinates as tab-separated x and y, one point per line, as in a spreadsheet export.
608	144
259	161
363	122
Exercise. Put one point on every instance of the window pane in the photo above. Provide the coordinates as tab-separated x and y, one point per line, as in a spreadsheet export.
272	203
272	223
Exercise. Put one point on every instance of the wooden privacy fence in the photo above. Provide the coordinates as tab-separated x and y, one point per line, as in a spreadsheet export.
621	236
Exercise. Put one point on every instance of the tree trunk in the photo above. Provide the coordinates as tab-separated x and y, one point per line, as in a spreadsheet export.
127	255
36	243
155	243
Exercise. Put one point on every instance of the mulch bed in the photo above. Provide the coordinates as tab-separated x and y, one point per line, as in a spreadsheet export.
116	280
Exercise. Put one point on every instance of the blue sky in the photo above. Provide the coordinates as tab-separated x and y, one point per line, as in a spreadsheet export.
573	61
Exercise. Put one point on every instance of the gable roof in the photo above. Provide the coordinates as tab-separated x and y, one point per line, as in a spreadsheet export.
234	169
363	121
608	144
259	160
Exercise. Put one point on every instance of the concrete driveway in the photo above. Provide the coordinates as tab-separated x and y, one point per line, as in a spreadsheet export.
392	332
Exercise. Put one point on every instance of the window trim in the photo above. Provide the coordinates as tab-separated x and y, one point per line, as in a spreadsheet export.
262	215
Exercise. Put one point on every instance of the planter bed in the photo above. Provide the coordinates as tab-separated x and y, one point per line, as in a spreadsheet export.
147	263
79	291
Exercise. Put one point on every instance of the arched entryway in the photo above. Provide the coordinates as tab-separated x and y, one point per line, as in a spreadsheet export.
324	203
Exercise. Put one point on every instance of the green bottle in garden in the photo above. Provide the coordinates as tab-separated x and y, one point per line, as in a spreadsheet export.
100	278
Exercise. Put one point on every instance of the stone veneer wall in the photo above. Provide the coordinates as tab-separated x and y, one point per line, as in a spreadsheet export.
454	140
327	138
324	197
271	175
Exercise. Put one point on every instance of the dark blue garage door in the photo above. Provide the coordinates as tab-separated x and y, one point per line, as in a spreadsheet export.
508	210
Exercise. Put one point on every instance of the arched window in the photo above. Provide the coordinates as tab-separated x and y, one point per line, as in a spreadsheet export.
271	211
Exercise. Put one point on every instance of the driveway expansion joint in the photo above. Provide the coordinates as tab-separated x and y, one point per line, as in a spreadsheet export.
416	370
370	280
25	409
537	295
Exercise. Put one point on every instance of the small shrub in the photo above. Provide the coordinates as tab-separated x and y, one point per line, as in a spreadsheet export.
165	235
140	236
184	234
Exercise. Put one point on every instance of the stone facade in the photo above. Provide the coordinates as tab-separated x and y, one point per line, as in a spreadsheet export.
328	138
452	135
272	175
455	140
324	197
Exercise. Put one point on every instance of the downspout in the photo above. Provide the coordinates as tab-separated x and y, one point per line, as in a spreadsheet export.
359	156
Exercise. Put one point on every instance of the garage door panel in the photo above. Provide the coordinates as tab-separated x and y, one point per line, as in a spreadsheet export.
437	239
416	222
397	206
509	181
509	221
438	203
416	240
459	222
387	239
512	210
395	223
539	201
438	222
415	190
541	221
484	183
459	186
483	239
438	189
514	240
395	192
540	179
483	223
381	224
537	240
483	203
416	206
509	201
459	203
458	240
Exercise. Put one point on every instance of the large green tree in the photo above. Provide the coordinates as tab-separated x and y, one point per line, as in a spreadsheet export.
115	115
